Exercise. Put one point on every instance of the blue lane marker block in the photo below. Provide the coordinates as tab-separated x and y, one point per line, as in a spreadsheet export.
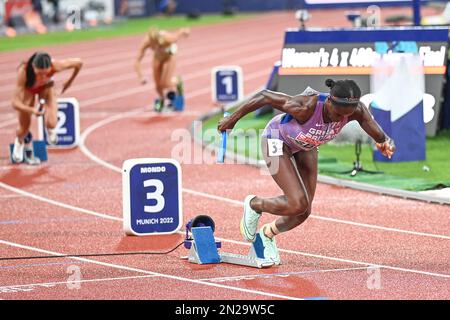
178	103
40	149
205	245
258	247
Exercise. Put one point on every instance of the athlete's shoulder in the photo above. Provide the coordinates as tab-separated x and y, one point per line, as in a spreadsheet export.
21	73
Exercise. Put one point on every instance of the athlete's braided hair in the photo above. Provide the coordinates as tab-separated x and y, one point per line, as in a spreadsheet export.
344	92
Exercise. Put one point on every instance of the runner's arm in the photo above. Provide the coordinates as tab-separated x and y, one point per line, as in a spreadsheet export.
19	92
367	122
137	64
73	63
283	102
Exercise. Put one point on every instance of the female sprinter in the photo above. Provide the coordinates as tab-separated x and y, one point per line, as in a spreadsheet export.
35	79
308	120
163	44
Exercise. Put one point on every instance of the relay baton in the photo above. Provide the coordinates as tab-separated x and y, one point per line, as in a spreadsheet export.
223	143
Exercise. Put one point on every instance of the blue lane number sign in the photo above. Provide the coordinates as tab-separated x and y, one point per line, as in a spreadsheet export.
152	201
68	125
227	84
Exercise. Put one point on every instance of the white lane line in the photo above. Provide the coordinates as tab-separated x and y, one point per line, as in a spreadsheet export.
89	154
57	203
10	188
201	73
52	284
114	168
8	123
357	224
369	264
279	275
372	226
221	279
122	267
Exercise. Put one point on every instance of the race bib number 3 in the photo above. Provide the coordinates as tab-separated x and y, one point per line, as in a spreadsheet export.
275	147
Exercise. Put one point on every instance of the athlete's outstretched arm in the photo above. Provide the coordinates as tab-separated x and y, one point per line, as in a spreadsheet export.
278	100
174	36
365	119
137	64
74	63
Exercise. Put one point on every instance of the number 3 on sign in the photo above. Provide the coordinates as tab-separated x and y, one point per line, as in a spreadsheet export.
275	147
155	195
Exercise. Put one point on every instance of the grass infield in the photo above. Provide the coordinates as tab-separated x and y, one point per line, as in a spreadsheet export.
118	29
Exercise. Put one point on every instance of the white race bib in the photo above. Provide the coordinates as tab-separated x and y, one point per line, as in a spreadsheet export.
275	147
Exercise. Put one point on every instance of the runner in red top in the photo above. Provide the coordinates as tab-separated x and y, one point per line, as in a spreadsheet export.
35	78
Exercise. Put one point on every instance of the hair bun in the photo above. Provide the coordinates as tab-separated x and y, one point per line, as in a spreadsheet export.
330	83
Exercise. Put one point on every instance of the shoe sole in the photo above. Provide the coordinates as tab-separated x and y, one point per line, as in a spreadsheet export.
15	160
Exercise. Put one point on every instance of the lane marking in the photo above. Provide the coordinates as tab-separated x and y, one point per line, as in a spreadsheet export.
110	166
369	264
251	58
114	168
57	203
234	241
52	284
47	264
236	278
44	221
280	275
167	276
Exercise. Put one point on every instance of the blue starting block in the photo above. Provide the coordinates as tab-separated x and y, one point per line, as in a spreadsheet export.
178	103
203	248
35	151
175	104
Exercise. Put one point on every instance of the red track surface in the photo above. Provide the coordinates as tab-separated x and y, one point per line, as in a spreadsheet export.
327	257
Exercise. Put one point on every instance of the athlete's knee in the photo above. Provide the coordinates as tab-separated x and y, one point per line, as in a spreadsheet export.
159	87
297	205
305	214
51	121
299	218
168	84
21	132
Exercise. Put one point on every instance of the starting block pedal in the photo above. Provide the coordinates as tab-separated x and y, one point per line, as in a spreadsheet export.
178	103
255	257
204	248
35	151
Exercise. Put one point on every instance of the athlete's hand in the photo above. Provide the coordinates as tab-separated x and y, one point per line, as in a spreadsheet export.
38	113
185	31
387	148
226	123
143	81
